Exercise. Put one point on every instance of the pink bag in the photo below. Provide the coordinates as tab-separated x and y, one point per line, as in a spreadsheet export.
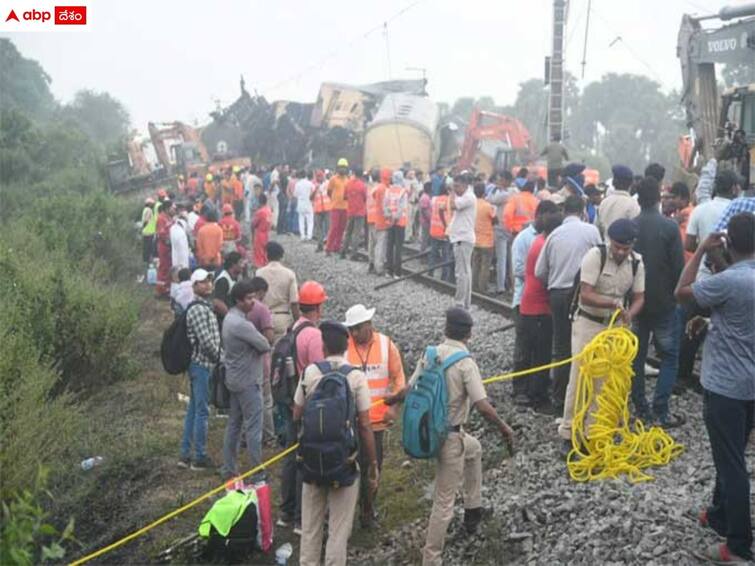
264	517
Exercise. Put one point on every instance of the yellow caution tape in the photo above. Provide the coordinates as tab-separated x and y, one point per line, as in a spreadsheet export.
610	449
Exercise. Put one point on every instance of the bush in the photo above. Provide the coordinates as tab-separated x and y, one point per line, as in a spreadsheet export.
26	536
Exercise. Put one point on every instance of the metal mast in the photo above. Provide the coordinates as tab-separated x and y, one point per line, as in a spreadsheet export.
556	98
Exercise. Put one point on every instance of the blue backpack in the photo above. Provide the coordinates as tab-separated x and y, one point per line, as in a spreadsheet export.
425	417
328	446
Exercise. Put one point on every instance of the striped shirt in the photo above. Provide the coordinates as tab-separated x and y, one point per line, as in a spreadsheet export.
204	334
737	206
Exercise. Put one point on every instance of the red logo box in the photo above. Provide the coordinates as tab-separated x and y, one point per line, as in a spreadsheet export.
70	15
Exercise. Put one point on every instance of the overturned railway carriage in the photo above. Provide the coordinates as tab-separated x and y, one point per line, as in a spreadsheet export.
403	133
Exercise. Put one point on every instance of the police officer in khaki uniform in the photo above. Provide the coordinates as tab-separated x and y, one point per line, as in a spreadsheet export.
282	298
460	460
601	292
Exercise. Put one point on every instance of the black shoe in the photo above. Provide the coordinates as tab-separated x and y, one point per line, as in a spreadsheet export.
473	518
203	463
670	421
544	407
184	462
371	269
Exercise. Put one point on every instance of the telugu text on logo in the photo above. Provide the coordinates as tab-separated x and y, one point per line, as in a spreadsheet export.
70	15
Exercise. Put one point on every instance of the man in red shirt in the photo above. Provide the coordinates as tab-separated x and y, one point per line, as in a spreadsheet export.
338	214
356	211
535	325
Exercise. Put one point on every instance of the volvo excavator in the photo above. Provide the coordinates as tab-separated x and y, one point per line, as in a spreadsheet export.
721	126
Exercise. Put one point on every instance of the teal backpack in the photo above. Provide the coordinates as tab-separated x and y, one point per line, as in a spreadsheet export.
425	417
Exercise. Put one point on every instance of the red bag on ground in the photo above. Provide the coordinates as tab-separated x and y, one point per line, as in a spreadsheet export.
264	517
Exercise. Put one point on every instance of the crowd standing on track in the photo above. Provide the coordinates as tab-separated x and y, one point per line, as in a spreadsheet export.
570	255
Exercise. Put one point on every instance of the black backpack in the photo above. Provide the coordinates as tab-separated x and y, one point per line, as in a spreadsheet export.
237	545
283	374
328	445
176	348
578	280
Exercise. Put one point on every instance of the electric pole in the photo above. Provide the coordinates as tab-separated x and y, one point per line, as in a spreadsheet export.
556	98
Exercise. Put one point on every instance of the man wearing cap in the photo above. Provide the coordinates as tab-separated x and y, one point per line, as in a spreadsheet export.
339	206
611	277
378	357
149	227
459	462
309	350
204	335
339	502
619	203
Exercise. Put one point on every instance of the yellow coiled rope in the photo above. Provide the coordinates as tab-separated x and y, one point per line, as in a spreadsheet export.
603	443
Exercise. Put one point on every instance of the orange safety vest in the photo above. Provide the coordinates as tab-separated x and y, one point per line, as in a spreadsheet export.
396	197
375	366
322	202
437	228
519	211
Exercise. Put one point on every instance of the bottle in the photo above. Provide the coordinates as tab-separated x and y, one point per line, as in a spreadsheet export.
290	367
283	553
152	274
90	463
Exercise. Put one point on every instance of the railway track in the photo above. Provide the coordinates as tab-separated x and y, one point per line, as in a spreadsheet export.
482	300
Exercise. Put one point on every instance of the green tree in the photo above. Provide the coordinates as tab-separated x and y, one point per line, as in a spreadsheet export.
103	118
24	85
629	120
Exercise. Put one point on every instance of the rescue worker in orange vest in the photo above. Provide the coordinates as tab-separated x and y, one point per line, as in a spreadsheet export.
210	189
378	357
237	188
396	212
231	230
440	247
519	211
381	223
322	205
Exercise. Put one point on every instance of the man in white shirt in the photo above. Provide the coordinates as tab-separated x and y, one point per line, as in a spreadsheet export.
303	190
179	240
461	235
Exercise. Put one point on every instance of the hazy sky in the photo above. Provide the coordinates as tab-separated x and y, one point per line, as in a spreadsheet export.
169	59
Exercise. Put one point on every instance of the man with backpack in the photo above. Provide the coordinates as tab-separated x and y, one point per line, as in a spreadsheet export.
332	401
611	277
299	348
204	336
244	349
459	456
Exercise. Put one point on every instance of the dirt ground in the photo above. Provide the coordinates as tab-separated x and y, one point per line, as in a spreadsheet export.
137	426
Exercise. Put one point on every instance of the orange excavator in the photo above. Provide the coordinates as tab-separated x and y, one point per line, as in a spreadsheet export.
178	147
494	142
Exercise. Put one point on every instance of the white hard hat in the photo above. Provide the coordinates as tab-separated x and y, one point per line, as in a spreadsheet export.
357	315
200	275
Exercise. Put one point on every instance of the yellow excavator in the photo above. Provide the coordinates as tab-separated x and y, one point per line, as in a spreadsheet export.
721	126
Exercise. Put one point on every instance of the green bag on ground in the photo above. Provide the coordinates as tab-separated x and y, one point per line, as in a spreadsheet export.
232	517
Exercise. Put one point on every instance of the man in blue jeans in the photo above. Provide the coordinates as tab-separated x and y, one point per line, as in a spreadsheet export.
728	382
660	245
204	335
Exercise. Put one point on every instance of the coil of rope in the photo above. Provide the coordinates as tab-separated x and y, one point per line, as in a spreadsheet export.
612	447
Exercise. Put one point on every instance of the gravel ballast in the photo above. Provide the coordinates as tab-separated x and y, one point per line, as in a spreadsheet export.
540	516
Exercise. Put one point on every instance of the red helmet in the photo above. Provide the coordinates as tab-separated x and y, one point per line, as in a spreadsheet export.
312	293
227	209
162	193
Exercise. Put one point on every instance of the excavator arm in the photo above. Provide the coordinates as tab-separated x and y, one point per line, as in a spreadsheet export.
699	50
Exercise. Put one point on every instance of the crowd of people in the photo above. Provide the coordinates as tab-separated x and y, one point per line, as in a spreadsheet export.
678	264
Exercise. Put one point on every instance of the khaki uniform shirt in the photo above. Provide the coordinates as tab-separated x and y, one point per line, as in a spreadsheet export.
619	204
463	381
282	287
356	378
615	280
